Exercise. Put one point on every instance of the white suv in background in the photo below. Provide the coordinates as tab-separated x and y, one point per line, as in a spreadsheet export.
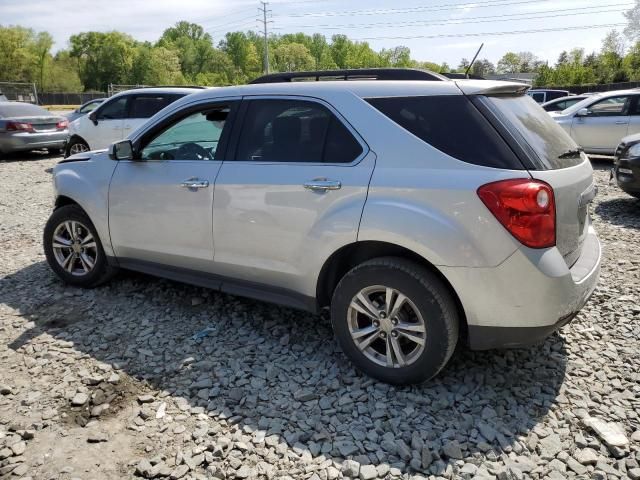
120	115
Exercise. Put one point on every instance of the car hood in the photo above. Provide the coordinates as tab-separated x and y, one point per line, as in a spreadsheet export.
86	156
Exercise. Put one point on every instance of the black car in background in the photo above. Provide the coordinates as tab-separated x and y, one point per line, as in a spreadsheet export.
626	168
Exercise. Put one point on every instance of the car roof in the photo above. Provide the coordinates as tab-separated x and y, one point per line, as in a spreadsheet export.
360	88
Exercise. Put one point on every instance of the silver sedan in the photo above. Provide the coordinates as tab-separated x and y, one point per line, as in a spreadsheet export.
25	127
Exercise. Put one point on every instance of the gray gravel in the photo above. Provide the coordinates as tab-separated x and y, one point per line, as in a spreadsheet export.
116	382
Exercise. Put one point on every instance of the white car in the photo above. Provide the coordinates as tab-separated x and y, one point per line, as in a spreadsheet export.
600	121
120	115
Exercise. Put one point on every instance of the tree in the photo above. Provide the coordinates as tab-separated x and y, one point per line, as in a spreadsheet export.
17	58
399	56
42	46
291	57
483	67
632	30
191	43
509	63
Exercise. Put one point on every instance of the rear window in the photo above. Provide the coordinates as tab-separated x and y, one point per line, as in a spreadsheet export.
453	125
8	110
545	137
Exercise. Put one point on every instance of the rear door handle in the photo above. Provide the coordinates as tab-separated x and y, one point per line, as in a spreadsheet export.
621	122
322	184
195	183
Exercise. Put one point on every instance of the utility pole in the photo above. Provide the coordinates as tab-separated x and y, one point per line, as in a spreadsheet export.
264	11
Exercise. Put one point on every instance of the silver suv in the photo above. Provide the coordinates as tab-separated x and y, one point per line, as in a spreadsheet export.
418	211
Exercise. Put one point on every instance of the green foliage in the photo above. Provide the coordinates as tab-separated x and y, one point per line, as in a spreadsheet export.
187	54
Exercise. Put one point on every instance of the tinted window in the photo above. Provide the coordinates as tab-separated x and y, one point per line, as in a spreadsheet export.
194	137
452	125
538	96
113	110
295	131
21	110
547	139
611	107
148	105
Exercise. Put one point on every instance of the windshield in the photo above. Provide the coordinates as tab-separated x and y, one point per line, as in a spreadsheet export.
553	146
581	104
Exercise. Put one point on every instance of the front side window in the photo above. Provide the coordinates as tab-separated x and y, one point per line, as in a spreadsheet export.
114	110
195	137
295	131
90	107
611	107
146	106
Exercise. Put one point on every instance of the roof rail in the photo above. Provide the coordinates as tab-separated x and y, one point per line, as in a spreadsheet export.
352	74
462	76
168	86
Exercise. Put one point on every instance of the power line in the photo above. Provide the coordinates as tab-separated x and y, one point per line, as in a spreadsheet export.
507	17
490	34
431	8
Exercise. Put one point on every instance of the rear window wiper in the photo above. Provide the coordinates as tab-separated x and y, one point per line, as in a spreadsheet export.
572	153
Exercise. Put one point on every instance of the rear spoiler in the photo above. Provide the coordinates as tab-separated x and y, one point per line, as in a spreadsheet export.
491	88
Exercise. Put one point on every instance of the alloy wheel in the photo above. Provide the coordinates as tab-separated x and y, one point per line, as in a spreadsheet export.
74	248
386	326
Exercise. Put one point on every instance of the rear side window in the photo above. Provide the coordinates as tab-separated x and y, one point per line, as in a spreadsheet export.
295	131
148	105
551	144
453	125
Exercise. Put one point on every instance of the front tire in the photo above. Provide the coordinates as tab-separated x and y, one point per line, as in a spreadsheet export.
395	320
73	249
75	145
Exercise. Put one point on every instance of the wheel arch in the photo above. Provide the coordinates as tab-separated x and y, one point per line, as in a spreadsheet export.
348	256
73	137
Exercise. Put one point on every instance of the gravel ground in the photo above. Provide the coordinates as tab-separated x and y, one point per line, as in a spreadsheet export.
154	379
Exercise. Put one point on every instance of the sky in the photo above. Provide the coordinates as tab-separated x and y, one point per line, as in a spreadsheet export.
436	30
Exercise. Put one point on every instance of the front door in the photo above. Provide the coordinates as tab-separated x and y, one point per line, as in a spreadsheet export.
296	187
110	119
605	125
161	206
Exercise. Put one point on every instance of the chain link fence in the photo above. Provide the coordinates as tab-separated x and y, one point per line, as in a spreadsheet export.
59	98
19	91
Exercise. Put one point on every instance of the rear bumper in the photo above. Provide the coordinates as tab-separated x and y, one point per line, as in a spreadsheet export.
20	142
527	297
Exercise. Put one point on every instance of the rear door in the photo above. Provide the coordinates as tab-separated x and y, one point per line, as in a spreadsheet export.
634	116
297	185
605	125
144	106
559	163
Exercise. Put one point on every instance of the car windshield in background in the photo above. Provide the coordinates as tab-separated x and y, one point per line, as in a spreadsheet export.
581	104
549	141
11	109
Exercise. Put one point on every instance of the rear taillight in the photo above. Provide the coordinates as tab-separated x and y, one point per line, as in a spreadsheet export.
62	124
19	127
525	207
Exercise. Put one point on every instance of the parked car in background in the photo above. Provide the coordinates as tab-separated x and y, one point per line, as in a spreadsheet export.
600	121
357	196
120	115
543	95
562	103
626	165
24	127
85	108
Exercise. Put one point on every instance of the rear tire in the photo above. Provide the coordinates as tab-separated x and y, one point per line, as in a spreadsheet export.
414	317
75	145
73	249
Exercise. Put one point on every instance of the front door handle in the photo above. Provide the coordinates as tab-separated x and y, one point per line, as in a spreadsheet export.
322	184
621	122
195	183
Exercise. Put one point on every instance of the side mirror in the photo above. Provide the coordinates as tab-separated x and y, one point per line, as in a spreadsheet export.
93	117
583	112
121	150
